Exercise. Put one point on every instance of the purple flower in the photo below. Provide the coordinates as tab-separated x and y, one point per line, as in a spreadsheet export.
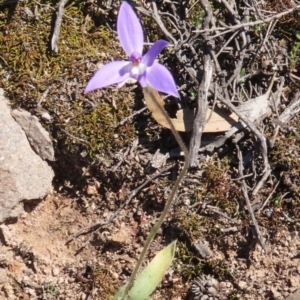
143	68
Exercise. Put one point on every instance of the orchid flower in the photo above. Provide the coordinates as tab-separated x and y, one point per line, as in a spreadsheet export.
140	67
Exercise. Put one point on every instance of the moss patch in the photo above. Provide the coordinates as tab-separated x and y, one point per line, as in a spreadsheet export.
29	69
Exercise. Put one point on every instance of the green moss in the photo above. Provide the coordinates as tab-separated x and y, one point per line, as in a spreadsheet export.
191	223
217	190
29	68
280	155
98	127
196	14
219	187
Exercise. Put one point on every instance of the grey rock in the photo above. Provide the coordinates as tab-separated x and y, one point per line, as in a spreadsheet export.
23	174
203	249
294	296
38	137
7	235
3	276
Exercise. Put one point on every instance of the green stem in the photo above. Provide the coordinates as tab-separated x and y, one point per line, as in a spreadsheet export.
161	219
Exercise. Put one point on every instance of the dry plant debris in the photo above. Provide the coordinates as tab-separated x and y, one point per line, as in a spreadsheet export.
217	121
112	163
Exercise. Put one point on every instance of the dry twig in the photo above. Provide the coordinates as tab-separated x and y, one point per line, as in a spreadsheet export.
254	23
245	193
57	25
202	93
96	226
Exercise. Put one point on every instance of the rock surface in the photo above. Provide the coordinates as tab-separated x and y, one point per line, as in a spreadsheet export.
295	296
23	174
37	136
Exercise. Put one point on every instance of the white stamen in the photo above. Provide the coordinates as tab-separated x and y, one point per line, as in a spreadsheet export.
138	70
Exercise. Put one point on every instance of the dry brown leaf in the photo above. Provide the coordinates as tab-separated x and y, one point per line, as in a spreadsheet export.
219	121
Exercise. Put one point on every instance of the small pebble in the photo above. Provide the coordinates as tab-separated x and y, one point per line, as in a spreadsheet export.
60	280
55	271
46	270
114	275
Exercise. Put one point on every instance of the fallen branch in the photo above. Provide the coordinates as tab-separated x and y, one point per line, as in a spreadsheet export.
57	25
249	115
254	23
202	100
200	117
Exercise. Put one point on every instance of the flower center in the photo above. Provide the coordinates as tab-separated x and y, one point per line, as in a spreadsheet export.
138	67
136	58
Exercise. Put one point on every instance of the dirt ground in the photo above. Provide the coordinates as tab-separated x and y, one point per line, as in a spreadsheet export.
38	264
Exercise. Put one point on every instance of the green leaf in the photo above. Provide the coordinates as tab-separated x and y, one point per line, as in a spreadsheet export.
151	276
242	76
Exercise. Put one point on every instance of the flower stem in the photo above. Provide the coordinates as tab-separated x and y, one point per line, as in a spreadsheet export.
161	219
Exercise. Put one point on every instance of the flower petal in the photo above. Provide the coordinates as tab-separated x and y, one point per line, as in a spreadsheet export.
143	80
153	52
160	78
109	74
129	29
